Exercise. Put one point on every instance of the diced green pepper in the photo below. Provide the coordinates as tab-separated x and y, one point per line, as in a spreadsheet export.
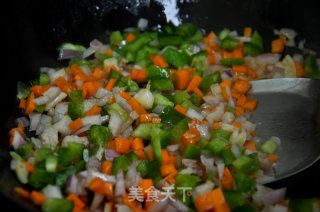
132	156
187	47
40	108
310	64
132	86
51	163
269	147
255	47
227	156
143	167
137	44
195	99
301	205
202	143
57	205
144	130
162	135
156	148
179	129
217	133
229	43
16	156
76	150
114	74
244	183
175	58
223	34
161	85
80	62
190	32
169	28
117	108
64	157
39	178
62	176
170	116
232	61
233	198
180	97
216	145
23	90
208	80
186	181
169	40
75	109
116	37
44	79
42	153
71	46
245	208
130	57
247	164
192	152
156	72
23	150
121	162
200	61
99	135
188	104
103	57
159	99
122	82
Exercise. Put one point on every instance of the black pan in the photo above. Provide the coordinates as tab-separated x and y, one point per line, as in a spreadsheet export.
34	30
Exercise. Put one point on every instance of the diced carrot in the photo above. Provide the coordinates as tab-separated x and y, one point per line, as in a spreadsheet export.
283	38
22	192
212	201
239	68
130	37
247	32
250	104
134	74
156	120
109	52
111	99
236	124
140	153
23	103
208	39
181	109
93	111
38	90
225	54
78	73
182	79
122	145
211	58
129	202
224	94
29	166
76	201
216	126
299	70
111	84
135	105
91	88
167	169
100	187
241	100
250	145
112	145
194	83
282	202
237	52
235	95
242	86
150	154
63	84
109	68
124	95
30	105
106	167
227	179
98	73
277	46
37	198
142	75
145	185
251	73
166	158
76	124
226	83
253	133
137	144
198	92
158	60
170	178
274	158
145	118
239	111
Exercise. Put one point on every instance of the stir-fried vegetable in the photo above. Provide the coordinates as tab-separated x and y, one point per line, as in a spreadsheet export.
153	121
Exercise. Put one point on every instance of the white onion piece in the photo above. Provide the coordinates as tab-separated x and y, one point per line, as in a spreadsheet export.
63	125
68	54
82	129
120	184
173	147
220	166
13	164
158	109
107	207
73	138
159	206
37	143
204	131
96	201
204	188
41	100
89	51
45	122
102	92
123	103
23	121
212	100
115	124
179	206
22	172
268	58
207	162
56	100
90	120
103	177
34	121
52	191
104	119
142	24
72	184
242	38
274	196
18	140
127	132
145	98
53	75
93	164
122	208
216	115
236	150
134	115
110	154
96	44
193	114
289	33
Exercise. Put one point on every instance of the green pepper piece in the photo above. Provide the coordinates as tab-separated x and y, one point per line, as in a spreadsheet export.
42	153
80	62
208	80
116	37
233	198
217	133
256	40
161	100
169	28
269	147
216	145
180	97
71	46
16	156
75	109
169	40
244	183
23	90
143	168
186	181
227	156
117	108
51	163
144	63
161	85
62	176
57	205
314	75
130	57
114	74
310	64
170	116
255	47
142	54
223	34
154	171
132	86
187	47
99	135
245	208
229	43
156	148
103	57
23	150
44	79
76	150
64	157
247	164
301	205
195	99
144	130
162	135
137	44
202	143
175	58
200	61
190	32
188	104
179	129
192	152
232	61
40	108
156	72
121	162
39	178
122	82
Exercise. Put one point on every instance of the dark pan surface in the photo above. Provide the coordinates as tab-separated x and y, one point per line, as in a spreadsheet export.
34	29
